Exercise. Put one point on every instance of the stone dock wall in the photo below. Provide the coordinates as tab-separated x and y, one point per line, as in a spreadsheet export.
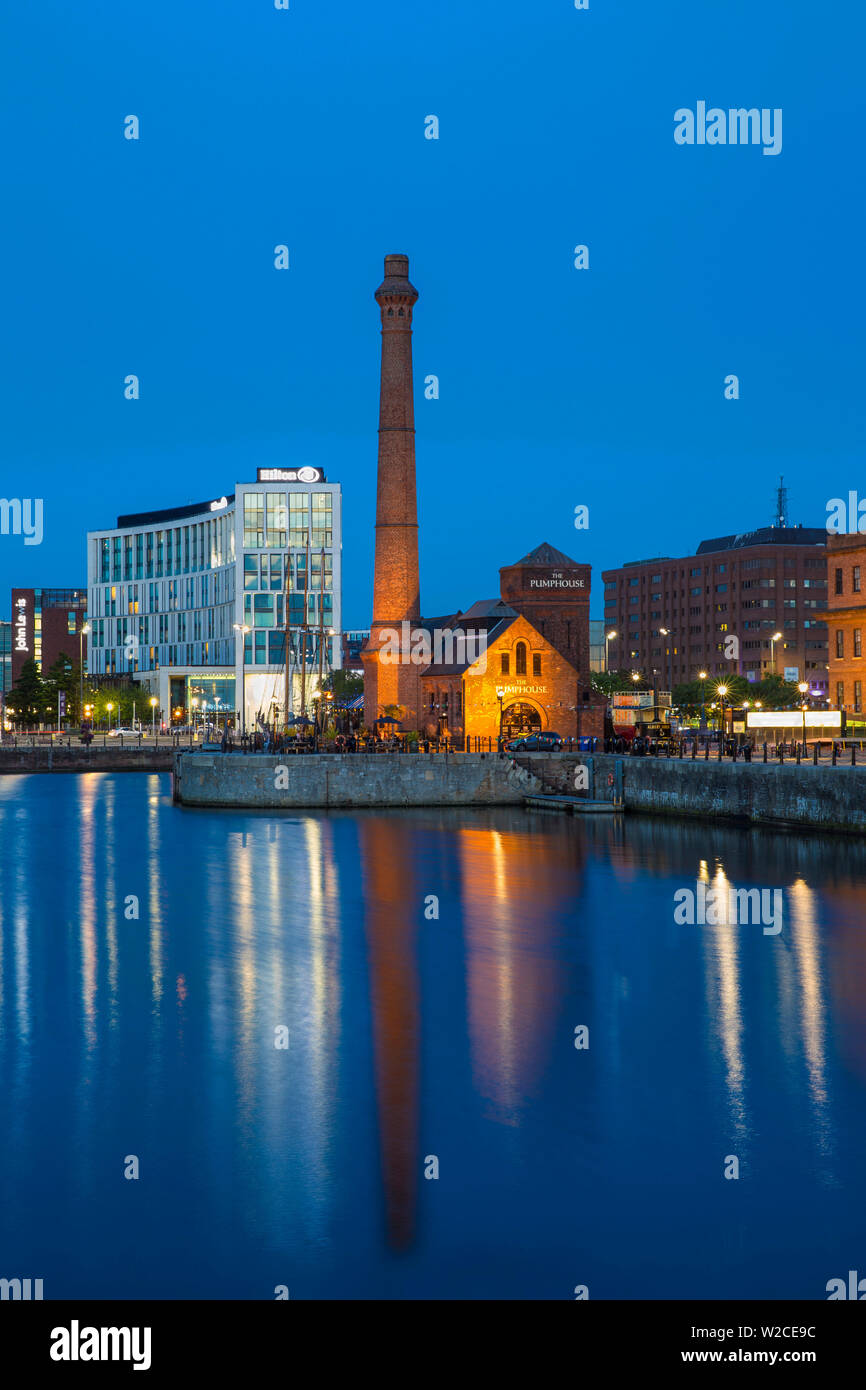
821	798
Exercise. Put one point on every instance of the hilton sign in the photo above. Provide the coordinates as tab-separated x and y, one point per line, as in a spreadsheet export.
290	475
557	580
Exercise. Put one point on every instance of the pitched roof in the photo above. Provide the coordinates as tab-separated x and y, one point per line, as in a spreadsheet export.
545	554
495	608
456	668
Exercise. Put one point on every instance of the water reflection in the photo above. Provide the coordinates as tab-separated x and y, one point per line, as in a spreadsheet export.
413	1035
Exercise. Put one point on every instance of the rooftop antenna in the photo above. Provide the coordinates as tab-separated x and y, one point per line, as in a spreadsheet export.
781	504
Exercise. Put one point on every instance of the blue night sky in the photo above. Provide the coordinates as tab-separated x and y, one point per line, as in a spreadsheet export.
558	387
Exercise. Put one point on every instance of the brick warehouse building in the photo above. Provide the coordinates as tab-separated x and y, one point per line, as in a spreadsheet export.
751	586
846	620
538	631
46	622
536	658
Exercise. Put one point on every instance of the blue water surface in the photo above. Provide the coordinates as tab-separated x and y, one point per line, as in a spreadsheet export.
431	968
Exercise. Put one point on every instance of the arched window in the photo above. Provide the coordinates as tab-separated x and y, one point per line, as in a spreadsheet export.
536	663
390	313
400	313
520	659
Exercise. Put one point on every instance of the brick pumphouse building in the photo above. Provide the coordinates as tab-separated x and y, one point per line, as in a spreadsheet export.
523	664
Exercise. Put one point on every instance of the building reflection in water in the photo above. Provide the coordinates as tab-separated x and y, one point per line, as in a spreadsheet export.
513	897
724	1002
392	906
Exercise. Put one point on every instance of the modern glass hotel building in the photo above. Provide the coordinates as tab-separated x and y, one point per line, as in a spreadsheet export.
192	602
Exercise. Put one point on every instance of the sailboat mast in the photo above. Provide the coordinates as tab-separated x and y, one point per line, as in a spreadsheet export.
321	630
304	626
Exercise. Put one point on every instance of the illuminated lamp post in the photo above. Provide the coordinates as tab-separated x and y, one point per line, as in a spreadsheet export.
702	677
109	707
803	688
500	695
776	637
608	637
722	691
243	629
81	635
153	715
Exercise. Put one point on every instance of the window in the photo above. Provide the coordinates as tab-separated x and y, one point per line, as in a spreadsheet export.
840	644
520	659
858	701
322	519
254	523
856	578
536	663
299	518
694	574
276	519
70	624
840	694
251	573
857	642
503	663
838	581
263	610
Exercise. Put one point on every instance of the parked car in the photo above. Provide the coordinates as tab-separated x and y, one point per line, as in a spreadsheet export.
127	733
549	742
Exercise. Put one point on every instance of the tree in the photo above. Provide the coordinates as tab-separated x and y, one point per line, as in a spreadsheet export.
612	682
345	686
27	698
61	676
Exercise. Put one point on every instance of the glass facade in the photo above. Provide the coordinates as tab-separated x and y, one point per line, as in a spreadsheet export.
173	595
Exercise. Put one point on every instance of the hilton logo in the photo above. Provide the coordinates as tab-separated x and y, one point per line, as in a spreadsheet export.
290	475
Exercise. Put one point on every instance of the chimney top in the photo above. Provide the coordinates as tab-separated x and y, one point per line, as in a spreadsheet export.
396	279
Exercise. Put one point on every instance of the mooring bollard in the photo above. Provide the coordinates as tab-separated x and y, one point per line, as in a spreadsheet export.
765	750
833	755
853	756
781	751
706	752
798	755
694	749
815	756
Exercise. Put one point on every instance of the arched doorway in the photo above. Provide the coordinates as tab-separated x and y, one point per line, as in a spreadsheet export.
520	718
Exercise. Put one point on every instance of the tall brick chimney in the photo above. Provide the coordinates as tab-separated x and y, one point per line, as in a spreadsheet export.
396	595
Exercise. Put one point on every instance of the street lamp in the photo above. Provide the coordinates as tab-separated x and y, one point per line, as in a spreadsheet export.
193	706
109	707
666	632
153	704
244	628
803	688
500	695
721	691
702	676
608	636
635	675
81	636
773	640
